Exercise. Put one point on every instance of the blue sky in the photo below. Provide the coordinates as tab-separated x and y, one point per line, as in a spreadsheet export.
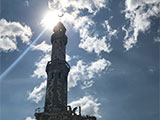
113	51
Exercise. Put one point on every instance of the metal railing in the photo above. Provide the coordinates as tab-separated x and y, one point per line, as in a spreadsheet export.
39	110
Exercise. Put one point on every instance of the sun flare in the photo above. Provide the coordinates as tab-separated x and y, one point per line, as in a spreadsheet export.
50	19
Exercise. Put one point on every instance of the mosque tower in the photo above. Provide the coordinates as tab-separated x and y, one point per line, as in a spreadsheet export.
56	91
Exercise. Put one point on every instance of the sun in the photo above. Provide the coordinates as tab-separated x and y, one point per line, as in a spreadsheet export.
51	18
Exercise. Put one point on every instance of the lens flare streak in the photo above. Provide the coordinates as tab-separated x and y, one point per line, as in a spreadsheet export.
20	57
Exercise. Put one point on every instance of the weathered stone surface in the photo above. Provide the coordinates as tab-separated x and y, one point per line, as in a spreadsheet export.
59	41
57	71
56	92
58	47
62	116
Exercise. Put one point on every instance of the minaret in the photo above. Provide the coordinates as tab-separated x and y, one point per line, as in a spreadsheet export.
56	91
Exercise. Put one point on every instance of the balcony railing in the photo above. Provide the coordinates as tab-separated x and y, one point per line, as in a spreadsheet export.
39	110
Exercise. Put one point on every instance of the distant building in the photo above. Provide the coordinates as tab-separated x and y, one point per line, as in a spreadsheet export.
56	92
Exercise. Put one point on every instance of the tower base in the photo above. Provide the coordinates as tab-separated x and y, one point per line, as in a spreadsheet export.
62	116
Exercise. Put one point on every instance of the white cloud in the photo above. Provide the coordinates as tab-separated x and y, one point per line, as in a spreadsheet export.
41	67
138	12
27	3
97	67
46	48
89	106
85	73
91	5
68	58
90	40
9	31
95	44
91	43
41	64
110	32
43	46
157	38
80	73
133	4
29	118
38	92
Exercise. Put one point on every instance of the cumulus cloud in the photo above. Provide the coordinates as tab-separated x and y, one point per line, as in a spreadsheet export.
133	4
43	46
85	73
89	106
82	72
41	64
29	118
91	5
138	12
95	44
41	67
9	31
90	41
110	32
68	58
38	92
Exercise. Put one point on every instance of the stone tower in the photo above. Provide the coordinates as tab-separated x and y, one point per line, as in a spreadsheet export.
57	71
56	92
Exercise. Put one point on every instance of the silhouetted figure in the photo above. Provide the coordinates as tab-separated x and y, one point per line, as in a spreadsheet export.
74	110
